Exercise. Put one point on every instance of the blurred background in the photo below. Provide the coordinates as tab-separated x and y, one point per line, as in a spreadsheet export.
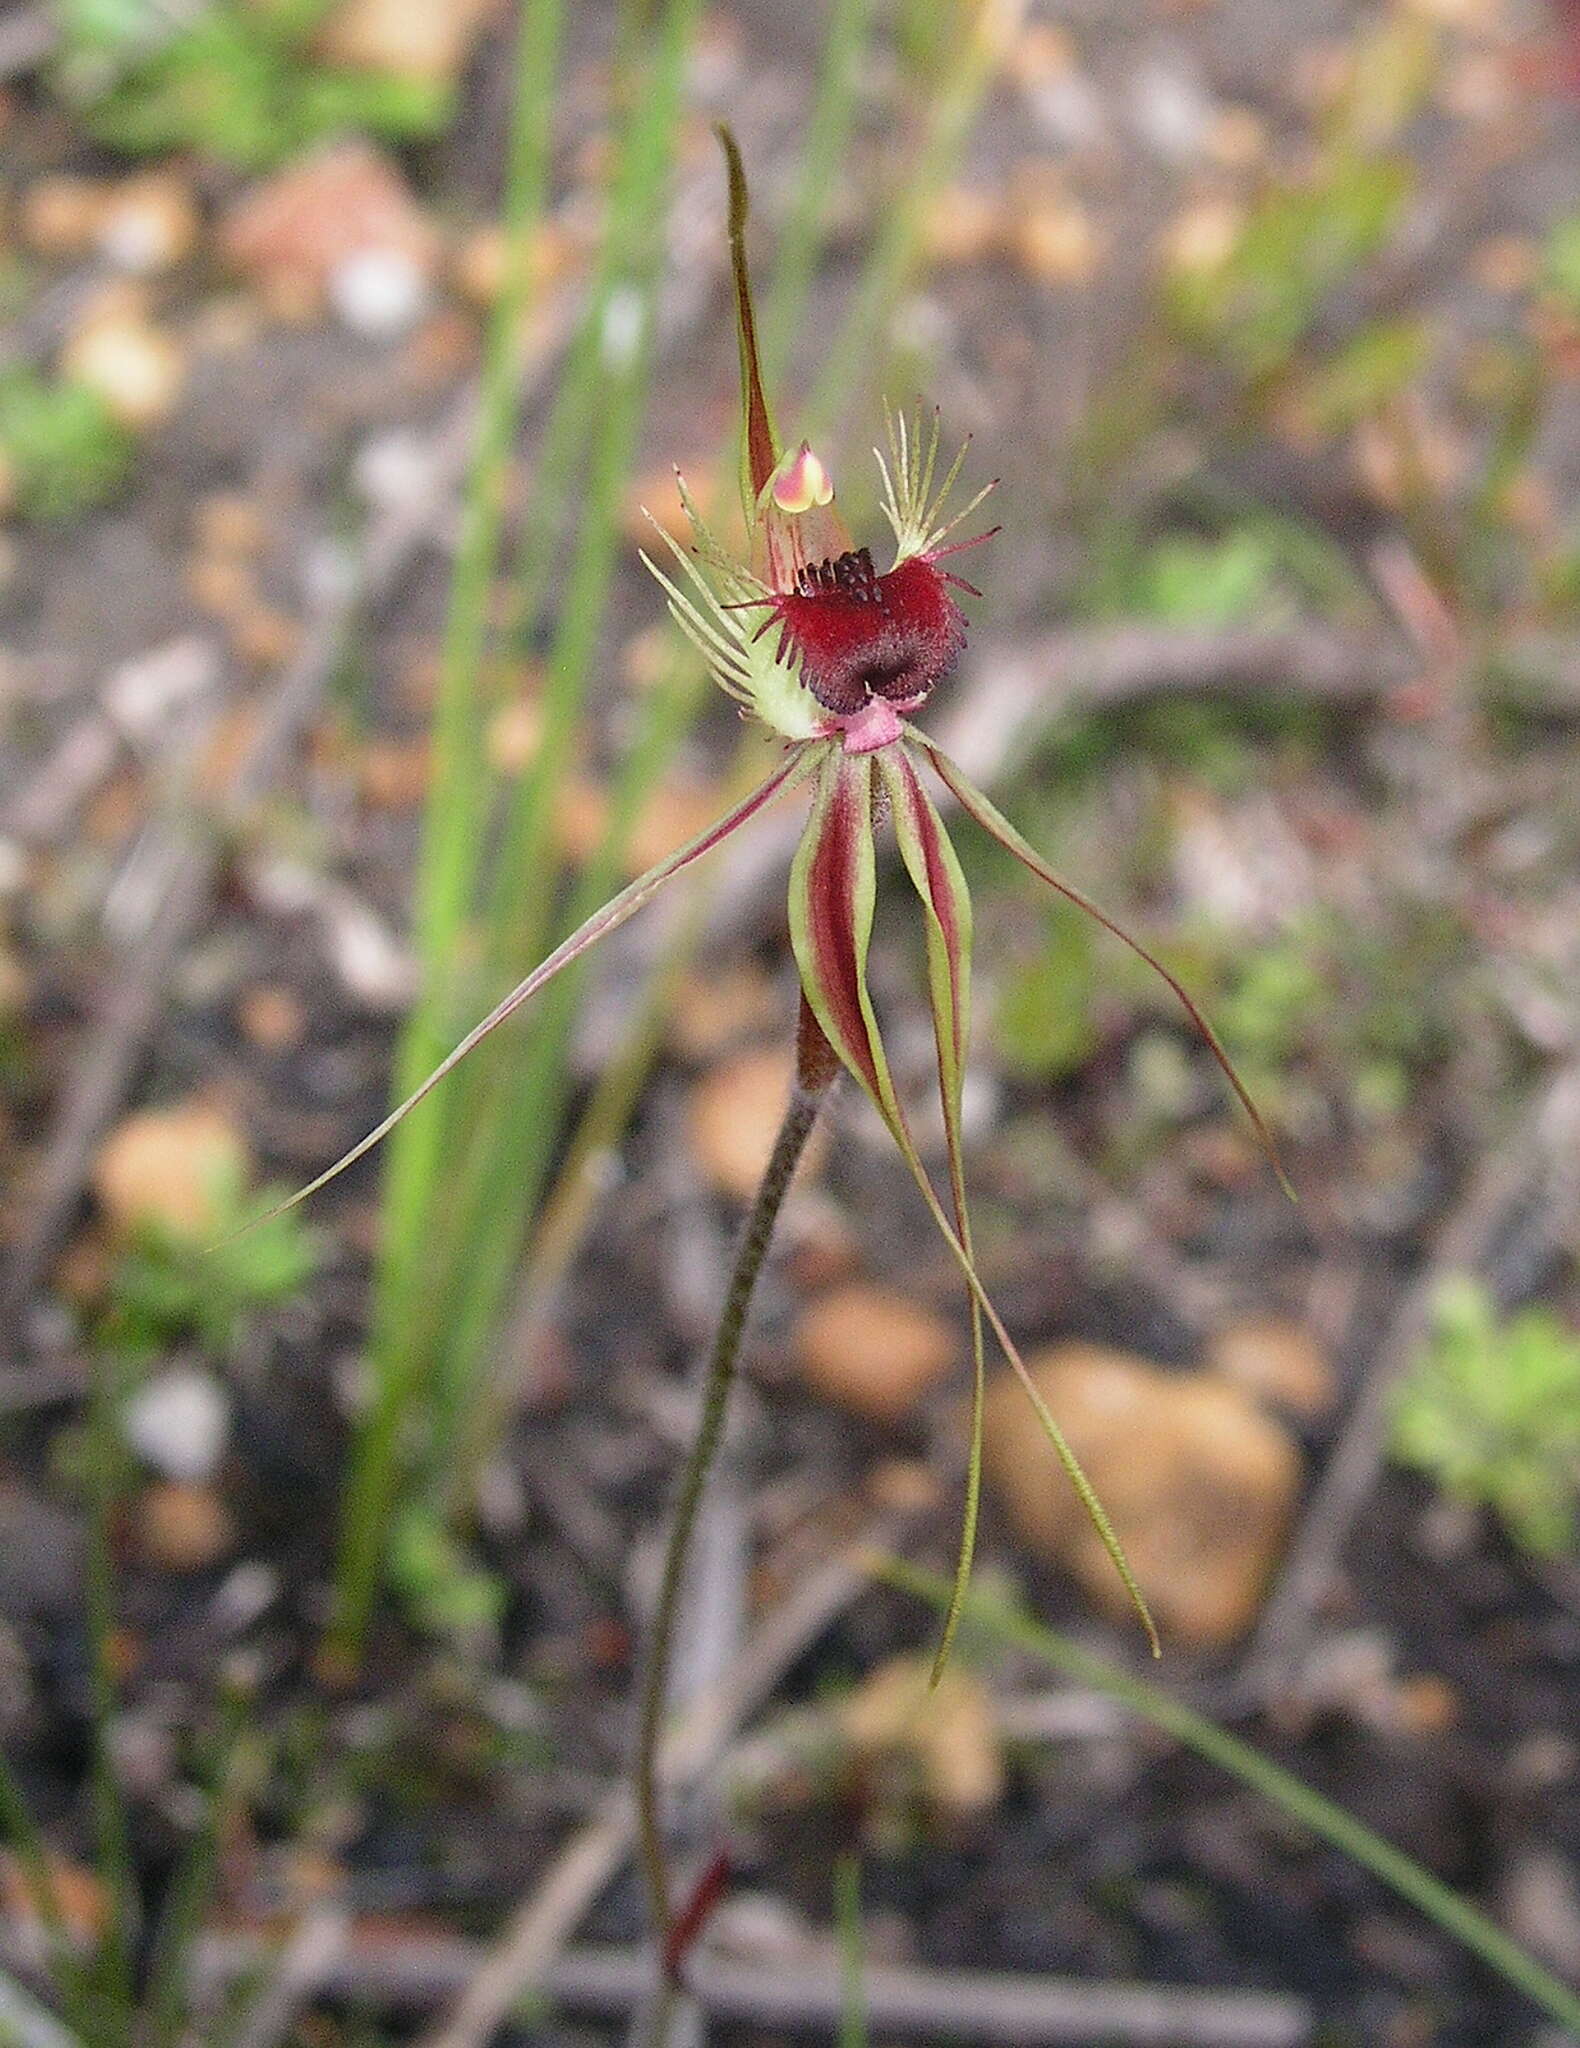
346	347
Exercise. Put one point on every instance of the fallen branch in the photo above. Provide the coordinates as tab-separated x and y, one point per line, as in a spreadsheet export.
805	1993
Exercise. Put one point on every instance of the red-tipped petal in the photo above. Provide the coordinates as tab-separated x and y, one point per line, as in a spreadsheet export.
935	871
833	889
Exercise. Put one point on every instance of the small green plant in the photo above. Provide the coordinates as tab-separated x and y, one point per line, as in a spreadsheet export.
1491	1411
60	449
237	79
1561	264
1300	244
439	1582
1184	579
1045	1024
166	1290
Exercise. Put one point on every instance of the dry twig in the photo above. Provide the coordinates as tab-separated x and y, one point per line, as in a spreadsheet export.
931	2005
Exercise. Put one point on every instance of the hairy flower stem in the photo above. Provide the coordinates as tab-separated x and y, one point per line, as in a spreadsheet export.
815	1072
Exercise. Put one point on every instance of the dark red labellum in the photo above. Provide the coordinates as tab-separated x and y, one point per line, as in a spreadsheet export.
857	635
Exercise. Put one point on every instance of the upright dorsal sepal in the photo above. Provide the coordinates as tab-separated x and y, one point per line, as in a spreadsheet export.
761	456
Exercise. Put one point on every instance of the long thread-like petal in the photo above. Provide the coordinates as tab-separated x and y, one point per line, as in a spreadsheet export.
613	914
993	820
833	889
935	871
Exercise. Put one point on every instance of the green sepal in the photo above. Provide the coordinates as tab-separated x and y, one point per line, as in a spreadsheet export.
833	891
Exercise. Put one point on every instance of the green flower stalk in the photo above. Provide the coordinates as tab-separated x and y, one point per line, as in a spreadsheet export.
834	655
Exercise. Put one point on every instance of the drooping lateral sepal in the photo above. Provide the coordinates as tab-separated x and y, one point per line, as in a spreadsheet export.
833	890
935	871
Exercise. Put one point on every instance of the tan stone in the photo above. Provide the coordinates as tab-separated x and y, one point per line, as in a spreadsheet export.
1203	237
514	735
1056	242
291	234
1198	1482
872	1349
653	501
263	636
481	262
136	369
226	523
715	1011
674	812
948	1731
963	224
148	223
170	1169
273	1018
409	39
1276	1361
221	584
59	215
1041	55
395	774
78	1897
183	1527
734	1116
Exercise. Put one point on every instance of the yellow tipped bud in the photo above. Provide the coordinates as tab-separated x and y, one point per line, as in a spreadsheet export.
802	483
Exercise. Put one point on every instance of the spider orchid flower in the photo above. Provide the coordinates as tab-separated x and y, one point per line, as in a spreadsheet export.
835	655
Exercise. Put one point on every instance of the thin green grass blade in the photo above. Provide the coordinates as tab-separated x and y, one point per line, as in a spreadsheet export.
420	1344
166	1997
1401	1873
992	820
518	1102
110	1973
983	34
833	889
21	1834
375	1473
847	1921
937	877
825	137
454	819
576	419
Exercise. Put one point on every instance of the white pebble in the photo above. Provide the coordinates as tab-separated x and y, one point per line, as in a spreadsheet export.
178	1424
378	292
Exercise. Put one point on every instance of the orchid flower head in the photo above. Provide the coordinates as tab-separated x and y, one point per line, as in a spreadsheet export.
810	637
